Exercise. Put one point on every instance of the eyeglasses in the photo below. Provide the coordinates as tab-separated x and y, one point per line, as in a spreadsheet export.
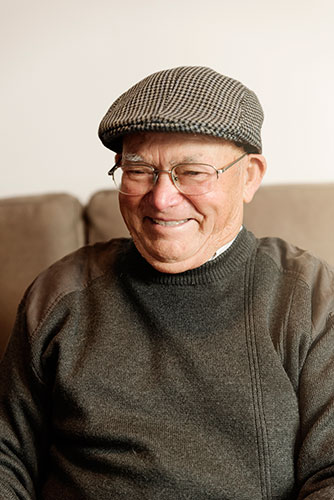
193	179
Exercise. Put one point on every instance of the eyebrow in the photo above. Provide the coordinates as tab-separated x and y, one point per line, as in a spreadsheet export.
137	158
132	157
190	159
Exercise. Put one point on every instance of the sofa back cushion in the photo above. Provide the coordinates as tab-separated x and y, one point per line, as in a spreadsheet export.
302	214
35	231
104	220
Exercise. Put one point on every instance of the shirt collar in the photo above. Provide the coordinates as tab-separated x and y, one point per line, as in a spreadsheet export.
224	247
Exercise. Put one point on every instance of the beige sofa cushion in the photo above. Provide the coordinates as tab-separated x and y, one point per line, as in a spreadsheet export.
34	231
302	214
103	217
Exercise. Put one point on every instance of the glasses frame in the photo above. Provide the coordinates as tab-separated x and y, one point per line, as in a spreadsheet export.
156	172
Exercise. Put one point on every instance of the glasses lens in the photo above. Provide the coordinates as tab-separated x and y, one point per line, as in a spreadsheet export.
195	178
133	180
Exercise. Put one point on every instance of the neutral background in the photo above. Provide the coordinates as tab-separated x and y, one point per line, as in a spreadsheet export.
63	63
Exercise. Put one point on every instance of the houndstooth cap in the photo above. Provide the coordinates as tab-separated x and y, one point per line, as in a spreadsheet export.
189	99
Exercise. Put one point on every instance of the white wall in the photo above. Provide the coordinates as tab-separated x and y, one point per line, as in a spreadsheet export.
63	63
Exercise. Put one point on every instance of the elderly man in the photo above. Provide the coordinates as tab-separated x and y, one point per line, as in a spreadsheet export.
192	361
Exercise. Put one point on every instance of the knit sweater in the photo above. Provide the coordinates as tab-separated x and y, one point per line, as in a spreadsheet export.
122	382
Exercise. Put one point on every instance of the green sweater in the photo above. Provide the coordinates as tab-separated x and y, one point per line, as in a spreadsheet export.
121	382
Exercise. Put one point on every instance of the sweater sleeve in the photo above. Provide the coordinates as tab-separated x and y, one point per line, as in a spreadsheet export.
24	417
28	369
315	466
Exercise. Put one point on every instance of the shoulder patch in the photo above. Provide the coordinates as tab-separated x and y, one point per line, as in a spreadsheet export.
72	273
316	274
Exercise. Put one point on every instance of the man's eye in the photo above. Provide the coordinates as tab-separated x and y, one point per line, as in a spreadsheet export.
136	171
193	172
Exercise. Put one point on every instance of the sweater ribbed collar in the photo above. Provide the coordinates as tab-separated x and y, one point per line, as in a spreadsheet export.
214	270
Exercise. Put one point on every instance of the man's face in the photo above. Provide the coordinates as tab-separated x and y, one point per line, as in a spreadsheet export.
175	232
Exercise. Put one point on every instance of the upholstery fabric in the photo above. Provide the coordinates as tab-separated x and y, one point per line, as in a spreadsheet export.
301	214
35	231
104	220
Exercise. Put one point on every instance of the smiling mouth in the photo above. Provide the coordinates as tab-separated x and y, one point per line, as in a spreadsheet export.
169	222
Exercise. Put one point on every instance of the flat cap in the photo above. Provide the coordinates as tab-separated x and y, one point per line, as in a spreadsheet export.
191	99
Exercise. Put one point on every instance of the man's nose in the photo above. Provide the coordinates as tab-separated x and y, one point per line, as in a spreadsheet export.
164	193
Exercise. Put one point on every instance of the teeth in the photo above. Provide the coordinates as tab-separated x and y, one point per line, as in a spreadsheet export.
169	222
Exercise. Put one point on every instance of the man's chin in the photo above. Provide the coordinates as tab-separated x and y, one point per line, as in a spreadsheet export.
167	260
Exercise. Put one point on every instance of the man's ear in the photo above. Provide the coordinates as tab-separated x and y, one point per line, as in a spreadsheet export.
254	173
118	156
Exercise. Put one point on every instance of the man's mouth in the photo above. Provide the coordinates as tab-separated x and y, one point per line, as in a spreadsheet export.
169	222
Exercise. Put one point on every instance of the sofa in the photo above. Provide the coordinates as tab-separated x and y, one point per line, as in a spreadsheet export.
37	230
